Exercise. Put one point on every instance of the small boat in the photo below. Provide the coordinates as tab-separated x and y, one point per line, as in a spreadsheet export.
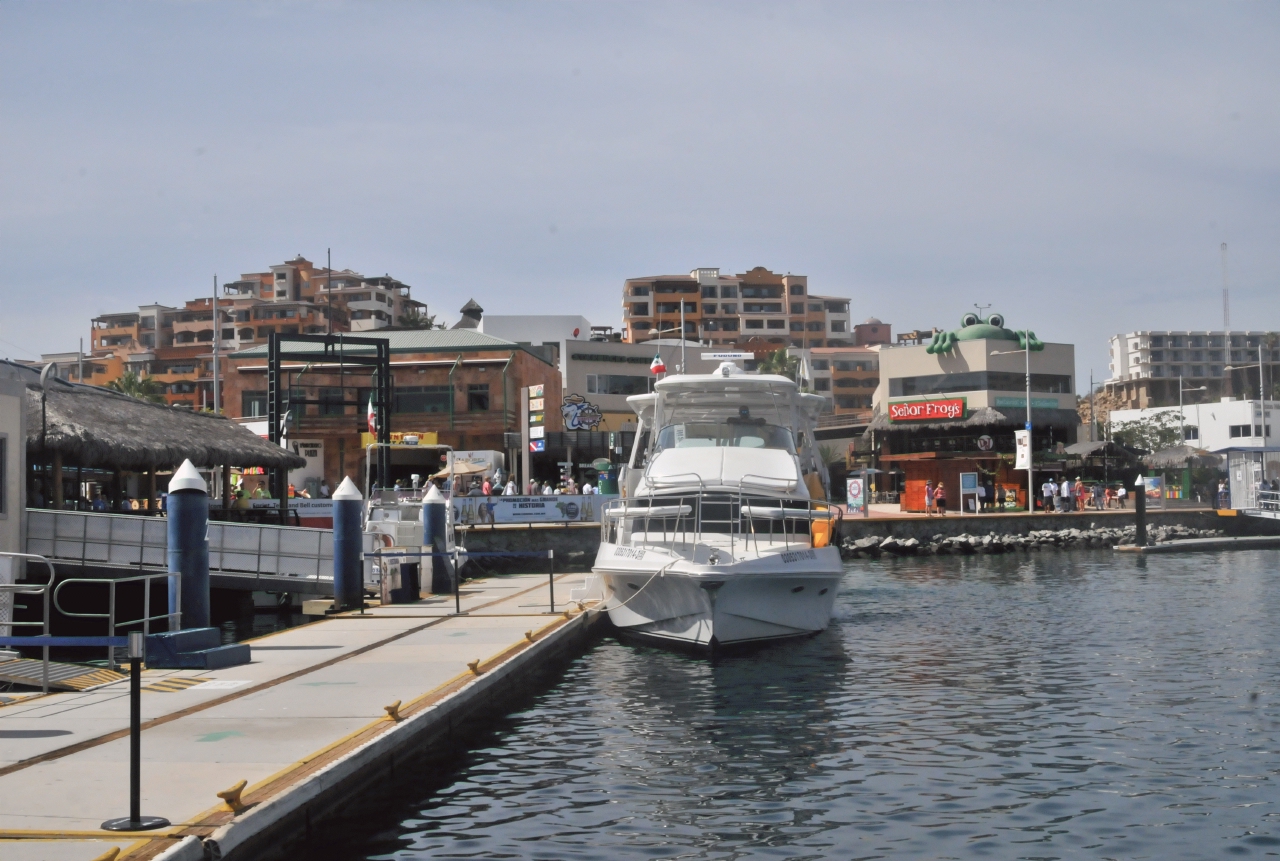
724	534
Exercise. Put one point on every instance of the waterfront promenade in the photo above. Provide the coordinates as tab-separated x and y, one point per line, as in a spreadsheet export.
312	696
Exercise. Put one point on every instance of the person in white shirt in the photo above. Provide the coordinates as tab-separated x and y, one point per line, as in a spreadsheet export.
510	489
547	489
587	490
1048	490
1064	492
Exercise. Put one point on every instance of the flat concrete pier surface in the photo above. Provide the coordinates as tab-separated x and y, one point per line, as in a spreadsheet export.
315	697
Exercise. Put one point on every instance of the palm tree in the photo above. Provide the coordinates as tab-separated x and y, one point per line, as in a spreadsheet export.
135	386
415	319
781	364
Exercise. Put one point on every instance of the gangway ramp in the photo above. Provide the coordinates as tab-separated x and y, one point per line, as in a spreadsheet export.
247	556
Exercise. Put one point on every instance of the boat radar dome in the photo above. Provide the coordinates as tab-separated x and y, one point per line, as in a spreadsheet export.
728	369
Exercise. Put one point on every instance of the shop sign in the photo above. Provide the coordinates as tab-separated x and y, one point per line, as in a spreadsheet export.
1021	403
535	391
537	405
922	411
580	414
538	432
528	509
986	443
537	445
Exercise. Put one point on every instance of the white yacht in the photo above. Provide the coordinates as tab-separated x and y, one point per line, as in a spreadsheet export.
724	534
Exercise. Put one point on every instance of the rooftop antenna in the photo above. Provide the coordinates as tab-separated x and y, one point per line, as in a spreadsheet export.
1226	300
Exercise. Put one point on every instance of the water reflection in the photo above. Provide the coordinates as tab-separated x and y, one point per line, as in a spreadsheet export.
1057	705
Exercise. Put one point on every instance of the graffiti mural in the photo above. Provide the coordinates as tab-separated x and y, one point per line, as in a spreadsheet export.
579	414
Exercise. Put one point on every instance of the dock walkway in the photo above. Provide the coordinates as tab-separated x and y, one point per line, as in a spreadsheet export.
312	696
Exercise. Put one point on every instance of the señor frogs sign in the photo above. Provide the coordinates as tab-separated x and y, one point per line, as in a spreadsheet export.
920	411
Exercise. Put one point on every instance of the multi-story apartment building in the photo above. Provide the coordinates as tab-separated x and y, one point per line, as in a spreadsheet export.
846	376
754	310
1146	366
175	345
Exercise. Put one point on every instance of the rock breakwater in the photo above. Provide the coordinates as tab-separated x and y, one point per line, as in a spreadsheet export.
872	546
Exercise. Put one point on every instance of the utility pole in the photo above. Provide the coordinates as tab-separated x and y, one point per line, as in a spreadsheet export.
217	337
1093	417
1031	446
328	253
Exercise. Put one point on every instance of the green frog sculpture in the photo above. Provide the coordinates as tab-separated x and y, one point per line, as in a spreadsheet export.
975	328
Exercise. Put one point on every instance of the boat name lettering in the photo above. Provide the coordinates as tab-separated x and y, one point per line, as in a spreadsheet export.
797	555
629	552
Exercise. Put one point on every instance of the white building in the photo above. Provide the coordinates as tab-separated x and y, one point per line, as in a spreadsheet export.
1146	365
1217	425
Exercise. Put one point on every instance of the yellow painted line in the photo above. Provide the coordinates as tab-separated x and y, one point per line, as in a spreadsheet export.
54	834
380	723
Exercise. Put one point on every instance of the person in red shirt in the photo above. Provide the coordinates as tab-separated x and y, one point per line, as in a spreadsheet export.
486	488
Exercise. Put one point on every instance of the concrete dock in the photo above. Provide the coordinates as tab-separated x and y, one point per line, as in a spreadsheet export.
305	725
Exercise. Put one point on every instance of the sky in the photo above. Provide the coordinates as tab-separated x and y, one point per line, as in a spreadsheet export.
1075	166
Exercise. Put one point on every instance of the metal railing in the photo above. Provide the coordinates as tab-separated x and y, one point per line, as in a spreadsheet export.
682	523
1269	500
174	618
13	589
247	550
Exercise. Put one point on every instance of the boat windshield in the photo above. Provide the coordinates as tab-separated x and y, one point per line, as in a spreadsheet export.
739	433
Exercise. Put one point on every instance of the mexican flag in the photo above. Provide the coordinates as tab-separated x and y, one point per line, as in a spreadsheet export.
657	366
373	417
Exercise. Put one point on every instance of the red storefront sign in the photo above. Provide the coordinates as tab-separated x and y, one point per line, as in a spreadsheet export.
920	411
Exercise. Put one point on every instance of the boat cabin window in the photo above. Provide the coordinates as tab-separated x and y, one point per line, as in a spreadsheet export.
734	432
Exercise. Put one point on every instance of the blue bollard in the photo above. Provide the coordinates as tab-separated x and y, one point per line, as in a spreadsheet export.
348	570
188	553
435	511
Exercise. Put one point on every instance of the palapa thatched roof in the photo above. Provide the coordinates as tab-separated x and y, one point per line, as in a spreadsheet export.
983	417
93	426
1179	456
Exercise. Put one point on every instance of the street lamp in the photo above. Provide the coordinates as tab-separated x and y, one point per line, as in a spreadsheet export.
1182	431
1031	482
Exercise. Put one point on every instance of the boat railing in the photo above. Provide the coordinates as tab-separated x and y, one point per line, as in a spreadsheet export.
681	523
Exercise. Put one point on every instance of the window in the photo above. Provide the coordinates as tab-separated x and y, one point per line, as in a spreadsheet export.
1157	340
971	381
617	384
797	326
853	402
640	290
1216	370
1257	430
729	291
1238	431
1197	370
759	291
708	308
640	309
797	307
762	307
814	326
1197	341
822	364
837	325
822	384
708	291
1215	355
253	404
422	399
331	401
1197	355
755	324
477	396
280	276
1176	341
848	383
1190	432
797	289
777	324
815	307
729	308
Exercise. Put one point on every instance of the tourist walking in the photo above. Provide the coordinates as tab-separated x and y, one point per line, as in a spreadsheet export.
928	497
1079	494
1121	493
940	500
1001	497
1048	491
1064	495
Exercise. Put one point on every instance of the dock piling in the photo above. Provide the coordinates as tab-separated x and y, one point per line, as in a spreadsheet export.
188	553
348	574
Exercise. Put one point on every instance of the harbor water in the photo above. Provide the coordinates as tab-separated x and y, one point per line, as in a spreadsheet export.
1043	706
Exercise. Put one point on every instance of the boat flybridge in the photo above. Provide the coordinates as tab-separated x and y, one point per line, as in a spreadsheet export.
724	533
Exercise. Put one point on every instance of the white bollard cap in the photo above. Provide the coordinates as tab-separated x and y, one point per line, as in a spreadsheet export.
188	478
347	490
433	496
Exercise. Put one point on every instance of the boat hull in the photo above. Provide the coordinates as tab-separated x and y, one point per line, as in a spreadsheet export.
782	595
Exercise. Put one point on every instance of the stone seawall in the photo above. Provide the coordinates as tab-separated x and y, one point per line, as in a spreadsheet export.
924	528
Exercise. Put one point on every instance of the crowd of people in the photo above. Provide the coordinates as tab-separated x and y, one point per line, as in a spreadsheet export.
1063	496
